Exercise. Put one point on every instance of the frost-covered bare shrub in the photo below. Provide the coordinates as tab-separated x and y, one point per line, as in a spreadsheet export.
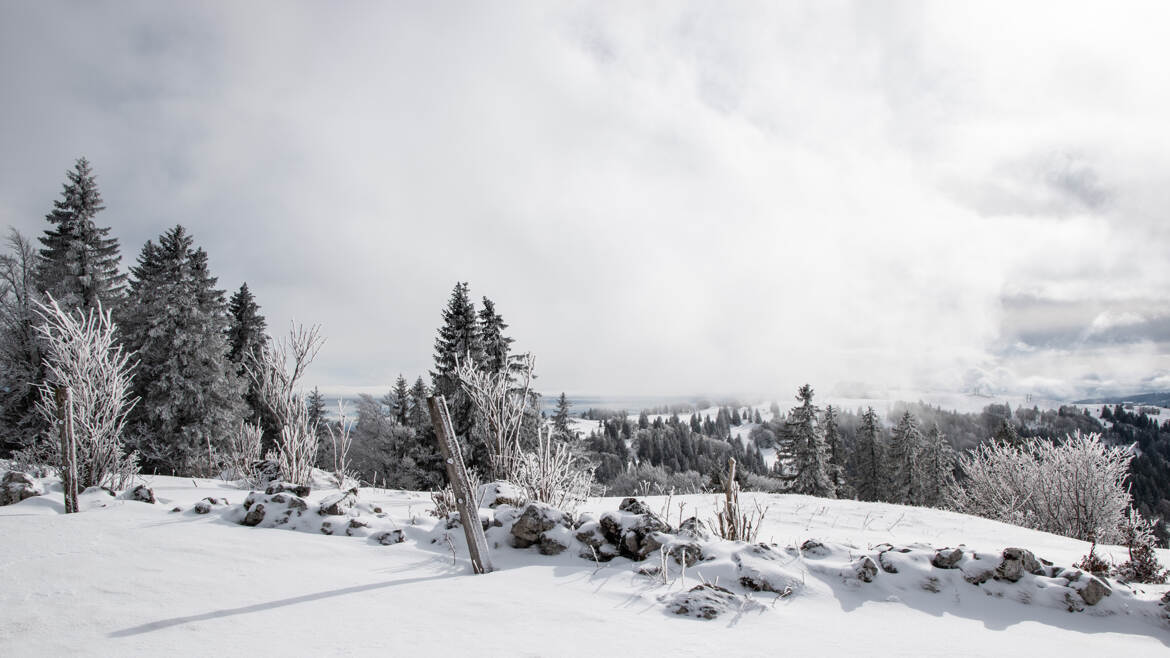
1074	488
277	370
341	439
502	400
549	472
83	354
242	453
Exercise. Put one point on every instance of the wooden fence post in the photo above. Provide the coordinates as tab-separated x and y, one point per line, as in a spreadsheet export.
68	448
465	500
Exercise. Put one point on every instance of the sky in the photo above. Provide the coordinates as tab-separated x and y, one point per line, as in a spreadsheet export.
661	198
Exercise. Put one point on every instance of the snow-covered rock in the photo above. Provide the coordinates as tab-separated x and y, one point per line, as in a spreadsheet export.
17	486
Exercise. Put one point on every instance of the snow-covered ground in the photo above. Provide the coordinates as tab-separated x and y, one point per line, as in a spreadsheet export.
130	578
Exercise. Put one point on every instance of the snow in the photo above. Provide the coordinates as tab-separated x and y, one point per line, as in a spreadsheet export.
129	578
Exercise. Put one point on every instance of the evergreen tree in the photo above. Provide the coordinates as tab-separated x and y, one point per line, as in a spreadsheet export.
869	458
560	419
836	452
937	465
316	403
812	473
20	347
905	446
189	393
419	416
79	261
400	401
459	341
496	345
1007	434
246	337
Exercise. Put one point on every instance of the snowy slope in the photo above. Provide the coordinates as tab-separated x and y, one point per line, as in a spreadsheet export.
128	578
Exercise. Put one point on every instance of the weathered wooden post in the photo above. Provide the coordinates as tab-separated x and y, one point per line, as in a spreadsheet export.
465	500
68	448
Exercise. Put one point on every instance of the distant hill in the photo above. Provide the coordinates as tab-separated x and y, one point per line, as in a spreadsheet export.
1152	399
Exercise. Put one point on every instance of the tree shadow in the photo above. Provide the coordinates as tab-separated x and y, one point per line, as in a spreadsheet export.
269	605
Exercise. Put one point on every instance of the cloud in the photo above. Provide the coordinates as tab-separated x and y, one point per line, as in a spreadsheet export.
662	198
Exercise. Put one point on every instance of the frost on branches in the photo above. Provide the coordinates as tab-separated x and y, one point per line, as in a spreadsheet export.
1074	488
276	372
82	353
549	472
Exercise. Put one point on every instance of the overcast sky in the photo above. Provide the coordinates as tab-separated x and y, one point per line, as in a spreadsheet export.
661	198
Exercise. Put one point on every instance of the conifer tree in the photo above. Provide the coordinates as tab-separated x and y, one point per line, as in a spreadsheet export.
812	475
400	401
937	466
836	452
560	418
419	416
79	261
21	367
176	321
459	341
905	446
496	345
1007	434
869	458
316	404
246	338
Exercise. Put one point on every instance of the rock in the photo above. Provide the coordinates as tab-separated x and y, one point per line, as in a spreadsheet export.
886	563
253	498
338	504
602	553
686	554
932	585
947	558
494	494
537	519
327	528
356	527
694	529
980	577
17	486
865	569
630	532
814	548
389	537
142	494
590	534
202	507
555	541
706	601
297	504
176	508
255	515
301	490
1094	590
1016	562
634	506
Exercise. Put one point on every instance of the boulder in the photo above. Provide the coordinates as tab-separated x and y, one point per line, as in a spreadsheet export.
694	529
494	494
338	504
202	507
1016	562
865	569
142	494
555	540
634	506
886	562
1094	590
706	601
685	554
947	558
537	519
633	532
814	548
301	490
356	527
255	515
17	486
389	537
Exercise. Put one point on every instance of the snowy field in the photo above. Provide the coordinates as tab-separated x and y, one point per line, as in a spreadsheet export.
130	578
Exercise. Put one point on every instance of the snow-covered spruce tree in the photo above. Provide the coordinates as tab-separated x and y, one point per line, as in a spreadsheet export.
20	352
1137	534
1074	488
869	458
176	320
937	463
836	453
560	419
82	353
418	417
459	341
245	336
902	468
496	346
277	372
812	472
79	261
398	400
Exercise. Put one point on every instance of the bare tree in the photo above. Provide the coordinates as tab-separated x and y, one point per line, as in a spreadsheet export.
20	351
243	453
277	370
341	441
83	354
